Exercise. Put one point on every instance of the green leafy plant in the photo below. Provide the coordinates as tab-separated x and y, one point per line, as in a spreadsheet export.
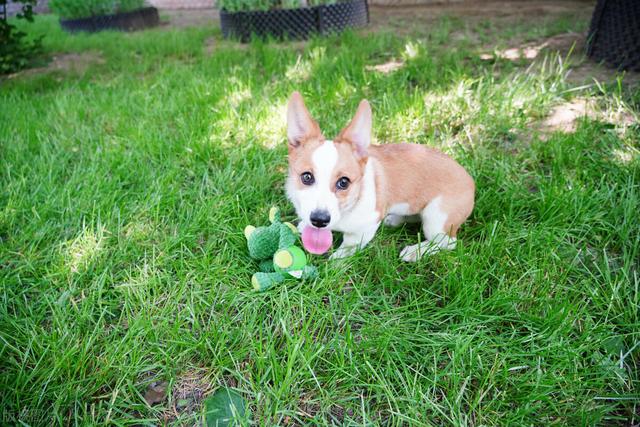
126	5
16	50
73	9
263	5
223	407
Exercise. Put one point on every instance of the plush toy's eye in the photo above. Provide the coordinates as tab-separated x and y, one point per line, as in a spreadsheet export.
307	178
343	183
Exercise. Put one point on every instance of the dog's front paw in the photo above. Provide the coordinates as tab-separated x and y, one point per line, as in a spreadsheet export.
343	252
410	253
413	253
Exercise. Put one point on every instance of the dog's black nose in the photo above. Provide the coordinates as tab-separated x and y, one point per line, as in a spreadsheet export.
320	218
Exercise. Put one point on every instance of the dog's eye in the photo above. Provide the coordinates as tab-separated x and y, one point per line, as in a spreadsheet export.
307	178
343	183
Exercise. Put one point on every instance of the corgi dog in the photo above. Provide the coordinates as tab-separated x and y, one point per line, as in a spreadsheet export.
351	186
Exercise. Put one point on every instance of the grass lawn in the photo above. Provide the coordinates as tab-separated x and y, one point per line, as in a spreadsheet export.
126	185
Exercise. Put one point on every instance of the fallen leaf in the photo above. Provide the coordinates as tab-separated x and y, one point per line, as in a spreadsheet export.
156	392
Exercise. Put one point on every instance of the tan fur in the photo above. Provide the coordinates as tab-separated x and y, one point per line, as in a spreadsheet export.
300	157
404	173
415	174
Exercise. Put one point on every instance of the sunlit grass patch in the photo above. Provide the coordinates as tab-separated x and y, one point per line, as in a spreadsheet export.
626	155
83	249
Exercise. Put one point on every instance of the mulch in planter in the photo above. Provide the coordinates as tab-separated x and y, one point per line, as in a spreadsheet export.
295	23
126	21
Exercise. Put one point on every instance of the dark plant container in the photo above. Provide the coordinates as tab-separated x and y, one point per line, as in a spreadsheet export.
297	23
614	35
124	21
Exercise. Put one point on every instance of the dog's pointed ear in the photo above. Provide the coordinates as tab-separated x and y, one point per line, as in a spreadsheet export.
300	124
358	132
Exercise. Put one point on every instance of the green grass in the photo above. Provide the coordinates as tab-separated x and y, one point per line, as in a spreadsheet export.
125	190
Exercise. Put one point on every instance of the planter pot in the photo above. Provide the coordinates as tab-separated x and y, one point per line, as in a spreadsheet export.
125	21
295	23
614	36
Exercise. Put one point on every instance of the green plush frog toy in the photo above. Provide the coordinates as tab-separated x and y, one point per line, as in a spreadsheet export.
274	247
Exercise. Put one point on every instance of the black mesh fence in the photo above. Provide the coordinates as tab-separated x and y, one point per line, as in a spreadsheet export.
295	23
125	21
614	36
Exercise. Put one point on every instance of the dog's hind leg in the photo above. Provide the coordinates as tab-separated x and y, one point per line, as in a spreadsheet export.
438	230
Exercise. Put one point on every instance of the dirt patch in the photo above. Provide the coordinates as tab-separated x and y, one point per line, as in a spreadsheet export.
565	117
308	406
563	43
386	67
190	18
213	43
410	19
210	45
77	62
585	71
156	392
65	62
297	45
187	394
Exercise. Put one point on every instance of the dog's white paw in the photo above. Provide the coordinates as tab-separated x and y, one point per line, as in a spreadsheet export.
343	252
411	253
392	220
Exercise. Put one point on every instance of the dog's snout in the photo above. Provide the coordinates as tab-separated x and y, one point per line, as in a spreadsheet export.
320	218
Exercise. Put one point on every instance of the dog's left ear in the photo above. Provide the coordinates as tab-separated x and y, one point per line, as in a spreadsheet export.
300	124
358	132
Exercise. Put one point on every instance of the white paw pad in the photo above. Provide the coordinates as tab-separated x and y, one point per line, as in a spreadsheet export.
343	253
413	253
410	253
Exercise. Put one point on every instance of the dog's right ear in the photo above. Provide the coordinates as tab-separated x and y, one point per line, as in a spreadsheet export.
300	125
358	132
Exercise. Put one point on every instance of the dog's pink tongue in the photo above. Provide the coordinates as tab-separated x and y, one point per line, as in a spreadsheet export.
316	240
